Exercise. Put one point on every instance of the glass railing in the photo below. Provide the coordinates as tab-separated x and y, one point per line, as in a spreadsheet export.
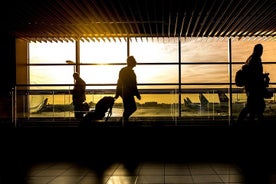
159	102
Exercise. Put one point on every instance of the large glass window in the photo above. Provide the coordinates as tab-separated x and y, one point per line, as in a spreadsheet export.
203	65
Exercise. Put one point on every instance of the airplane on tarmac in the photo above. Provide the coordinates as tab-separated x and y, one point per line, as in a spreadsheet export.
45	107
222	106
39	107
191	106
205	105
237	106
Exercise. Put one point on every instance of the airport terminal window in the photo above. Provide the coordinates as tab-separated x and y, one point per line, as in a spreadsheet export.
203	63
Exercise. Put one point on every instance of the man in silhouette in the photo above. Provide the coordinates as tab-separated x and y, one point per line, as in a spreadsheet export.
78	95
127	88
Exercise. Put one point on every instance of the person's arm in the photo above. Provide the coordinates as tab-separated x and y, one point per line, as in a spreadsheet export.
138	96
137	93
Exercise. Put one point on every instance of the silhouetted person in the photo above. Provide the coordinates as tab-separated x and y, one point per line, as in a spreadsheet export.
78	95
255	87
127	88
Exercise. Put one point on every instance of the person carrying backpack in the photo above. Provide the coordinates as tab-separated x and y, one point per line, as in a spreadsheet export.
255	87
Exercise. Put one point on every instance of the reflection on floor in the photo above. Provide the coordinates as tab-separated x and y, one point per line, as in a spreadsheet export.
138	155
150	173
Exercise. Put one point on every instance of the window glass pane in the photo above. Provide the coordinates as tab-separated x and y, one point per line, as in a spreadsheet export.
156	73
97	74
51	52
204	50
270	68
51	75
204	73
112	51
242	49
154	50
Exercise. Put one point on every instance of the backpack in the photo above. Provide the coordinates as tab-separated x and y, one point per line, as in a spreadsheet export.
241	76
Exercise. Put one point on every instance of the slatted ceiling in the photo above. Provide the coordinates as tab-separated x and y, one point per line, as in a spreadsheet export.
266	22
115	28
67	20
229	19
115	17
240	24
125	23
202	22
105	17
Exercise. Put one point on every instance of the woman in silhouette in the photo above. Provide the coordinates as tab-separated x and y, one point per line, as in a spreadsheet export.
255	87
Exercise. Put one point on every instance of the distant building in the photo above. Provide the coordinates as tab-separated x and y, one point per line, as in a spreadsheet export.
151	103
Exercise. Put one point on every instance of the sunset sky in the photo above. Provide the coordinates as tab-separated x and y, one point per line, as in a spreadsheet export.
201	50
145	51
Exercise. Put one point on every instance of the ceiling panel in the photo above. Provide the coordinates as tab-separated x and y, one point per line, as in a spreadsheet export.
89	19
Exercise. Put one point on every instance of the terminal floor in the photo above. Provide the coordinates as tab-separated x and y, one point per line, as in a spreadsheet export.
138	155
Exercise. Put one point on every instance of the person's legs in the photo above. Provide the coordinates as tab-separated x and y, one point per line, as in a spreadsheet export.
245	111
243	114
251	106
260	110
129	107
78	111
256	106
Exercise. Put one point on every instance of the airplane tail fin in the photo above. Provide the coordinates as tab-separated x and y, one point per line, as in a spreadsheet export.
223	98
203	99
187	102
